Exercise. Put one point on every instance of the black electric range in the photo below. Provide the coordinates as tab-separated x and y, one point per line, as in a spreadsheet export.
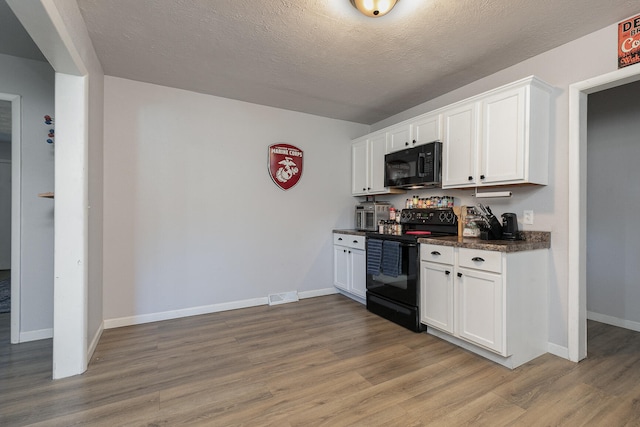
393	269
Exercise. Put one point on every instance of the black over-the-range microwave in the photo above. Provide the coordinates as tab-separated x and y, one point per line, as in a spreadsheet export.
415	167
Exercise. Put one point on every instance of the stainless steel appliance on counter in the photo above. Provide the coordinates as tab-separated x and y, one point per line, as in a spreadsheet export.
415	167
393	265
369	214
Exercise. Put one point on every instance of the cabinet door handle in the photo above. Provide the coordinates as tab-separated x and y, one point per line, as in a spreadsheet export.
414	142
349	251
368	188
339	238
481	176
435	253
364	189
406	144
344	250
477	259
447	272
470	178
355	241
459	274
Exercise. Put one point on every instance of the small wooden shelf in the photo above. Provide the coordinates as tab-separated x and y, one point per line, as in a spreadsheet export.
46	195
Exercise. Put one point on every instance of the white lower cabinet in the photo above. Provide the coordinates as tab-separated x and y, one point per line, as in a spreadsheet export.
436	293
349	264
492	303
480	308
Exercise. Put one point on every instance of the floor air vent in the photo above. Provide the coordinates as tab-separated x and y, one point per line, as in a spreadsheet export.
283	298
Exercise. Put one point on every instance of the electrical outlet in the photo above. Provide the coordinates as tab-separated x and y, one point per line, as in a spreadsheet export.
527	218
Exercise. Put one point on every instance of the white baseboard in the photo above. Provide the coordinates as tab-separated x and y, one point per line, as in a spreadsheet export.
558	350
356	298
614	321
205	309
94	341
186	312
41	334
317	293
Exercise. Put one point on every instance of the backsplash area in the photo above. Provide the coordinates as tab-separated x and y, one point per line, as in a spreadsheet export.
531	197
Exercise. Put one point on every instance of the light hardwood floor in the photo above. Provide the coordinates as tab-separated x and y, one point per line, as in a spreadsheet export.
320	361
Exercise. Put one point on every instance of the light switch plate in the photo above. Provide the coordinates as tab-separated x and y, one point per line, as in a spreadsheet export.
527	218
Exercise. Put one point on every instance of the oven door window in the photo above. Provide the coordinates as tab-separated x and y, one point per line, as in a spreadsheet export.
404	287
399	282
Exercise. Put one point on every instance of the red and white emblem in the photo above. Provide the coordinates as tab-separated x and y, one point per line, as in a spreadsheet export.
285	165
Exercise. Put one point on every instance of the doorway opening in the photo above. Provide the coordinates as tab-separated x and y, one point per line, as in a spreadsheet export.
613	199
5	207
10	153
577	253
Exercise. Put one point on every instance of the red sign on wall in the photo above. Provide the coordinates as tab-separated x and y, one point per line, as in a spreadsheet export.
629	42
285	165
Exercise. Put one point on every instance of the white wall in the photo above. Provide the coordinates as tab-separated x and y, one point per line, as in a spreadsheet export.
613	201
34	82
79	177
58	29
191	216
590	56
95	315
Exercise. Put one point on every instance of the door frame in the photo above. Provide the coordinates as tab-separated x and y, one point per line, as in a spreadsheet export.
577	218
16	212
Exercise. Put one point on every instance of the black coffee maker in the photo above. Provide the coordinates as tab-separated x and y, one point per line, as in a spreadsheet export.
510	226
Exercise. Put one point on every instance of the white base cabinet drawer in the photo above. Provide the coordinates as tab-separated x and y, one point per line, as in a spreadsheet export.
349	240
436	253
480	260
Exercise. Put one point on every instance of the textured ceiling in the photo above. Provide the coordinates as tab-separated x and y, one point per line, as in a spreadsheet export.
322	56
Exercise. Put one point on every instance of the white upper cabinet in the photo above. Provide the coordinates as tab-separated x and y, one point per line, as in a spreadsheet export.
377	150
427	128
359	167
367	165
399	137
508	143
503	136
418	131
500	137
460	146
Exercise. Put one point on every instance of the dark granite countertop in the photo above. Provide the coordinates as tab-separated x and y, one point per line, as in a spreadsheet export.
352	232
533	240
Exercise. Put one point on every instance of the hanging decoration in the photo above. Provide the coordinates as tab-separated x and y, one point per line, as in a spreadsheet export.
48	120
285	165
629	42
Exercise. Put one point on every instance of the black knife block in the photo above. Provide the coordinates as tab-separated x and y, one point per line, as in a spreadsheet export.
493	231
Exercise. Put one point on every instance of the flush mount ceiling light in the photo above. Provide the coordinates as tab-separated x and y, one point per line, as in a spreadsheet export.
374	8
